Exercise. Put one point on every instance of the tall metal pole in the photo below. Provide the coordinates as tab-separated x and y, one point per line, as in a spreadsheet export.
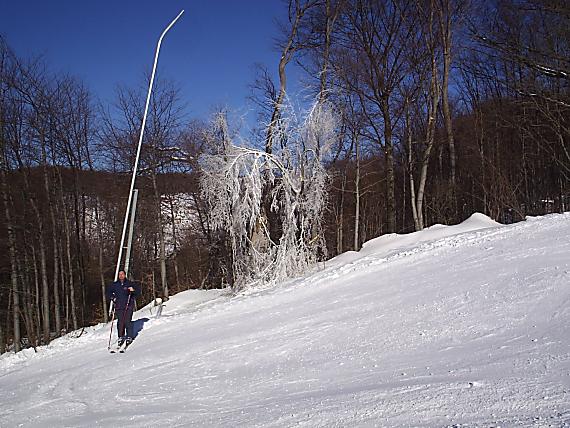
140	143
131	228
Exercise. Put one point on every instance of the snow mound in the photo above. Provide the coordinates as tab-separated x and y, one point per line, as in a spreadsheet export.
392	243
183	302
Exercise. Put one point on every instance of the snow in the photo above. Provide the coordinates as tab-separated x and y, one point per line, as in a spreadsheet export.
395	243
463	325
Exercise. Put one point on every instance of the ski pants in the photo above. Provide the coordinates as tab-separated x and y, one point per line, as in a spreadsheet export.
124	321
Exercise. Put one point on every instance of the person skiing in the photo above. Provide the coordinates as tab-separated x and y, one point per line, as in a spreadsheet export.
124	293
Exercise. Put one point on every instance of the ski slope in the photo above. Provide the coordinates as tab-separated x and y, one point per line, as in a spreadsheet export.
465	325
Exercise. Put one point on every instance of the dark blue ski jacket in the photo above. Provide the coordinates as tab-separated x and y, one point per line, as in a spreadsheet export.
120	292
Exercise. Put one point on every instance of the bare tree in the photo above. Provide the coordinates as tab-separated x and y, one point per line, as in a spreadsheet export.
449	12
371	63
297	9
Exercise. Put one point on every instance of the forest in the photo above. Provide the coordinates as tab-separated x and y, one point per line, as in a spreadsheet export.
420	112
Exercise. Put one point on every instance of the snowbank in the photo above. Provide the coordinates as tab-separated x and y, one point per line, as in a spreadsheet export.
386	245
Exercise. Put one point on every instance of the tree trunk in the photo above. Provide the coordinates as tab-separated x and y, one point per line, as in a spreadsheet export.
340	222
70	279
430	132
78	247
331	16
48	194
446	40
12	252
101	270
483	171
177	279
56	297
64	289
389	160
45	287
330	19
38	324
162	246
411	169
2	340
27	303
286	55
356	242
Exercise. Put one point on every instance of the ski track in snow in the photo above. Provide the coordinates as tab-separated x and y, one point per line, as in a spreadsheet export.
444	328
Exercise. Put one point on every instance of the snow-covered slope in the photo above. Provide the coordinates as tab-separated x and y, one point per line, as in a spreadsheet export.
463	325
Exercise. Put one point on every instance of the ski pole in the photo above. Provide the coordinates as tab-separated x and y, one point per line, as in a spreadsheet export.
125	312
111	332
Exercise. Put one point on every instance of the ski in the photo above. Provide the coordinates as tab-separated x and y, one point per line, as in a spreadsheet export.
117	348
125	346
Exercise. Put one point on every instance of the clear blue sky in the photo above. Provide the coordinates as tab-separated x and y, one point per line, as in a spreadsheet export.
210	52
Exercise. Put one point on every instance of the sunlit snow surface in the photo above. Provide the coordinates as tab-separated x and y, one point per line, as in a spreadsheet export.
466	325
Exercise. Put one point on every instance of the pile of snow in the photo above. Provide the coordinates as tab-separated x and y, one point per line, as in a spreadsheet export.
396	243
462	325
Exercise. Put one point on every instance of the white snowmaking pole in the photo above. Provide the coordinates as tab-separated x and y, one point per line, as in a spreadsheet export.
140	142
131	228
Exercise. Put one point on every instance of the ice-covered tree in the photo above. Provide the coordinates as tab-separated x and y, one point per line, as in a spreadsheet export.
270	205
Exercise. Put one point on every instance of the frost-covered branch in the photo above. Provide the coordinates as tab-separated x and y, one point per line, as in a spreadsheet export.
245	186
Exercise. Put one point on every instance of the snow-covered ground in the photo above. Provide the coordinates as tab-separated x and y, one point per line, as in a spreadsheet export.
465	325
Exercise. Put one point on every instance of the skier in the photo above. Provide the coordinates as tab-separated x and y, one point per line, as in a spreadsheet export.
124	293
